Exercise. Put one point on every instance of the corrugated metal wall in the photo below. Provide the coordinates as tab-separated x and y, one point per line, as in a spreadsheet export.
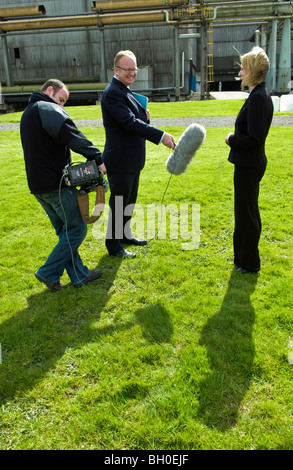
152	45
65	54
77	53
227	41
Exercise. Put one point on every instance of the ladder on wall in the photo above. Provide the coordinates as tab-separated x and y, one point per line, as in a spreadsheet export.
203	15
210	44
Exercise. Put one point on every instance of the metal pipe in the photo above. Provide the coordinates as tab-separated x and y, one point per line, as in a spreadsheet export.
245	3
14	12
132	17
39	81
82	20
272	54
182	69
255	18
284	70
257	37
124	5
20	89
176	64
245	23
166	12
249	3
48	23
282	7
78	29
203	51
189	35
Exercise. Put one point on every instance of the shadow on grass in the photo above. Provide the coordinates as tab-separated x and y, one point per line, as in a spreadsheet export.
155	322
227	337
34	339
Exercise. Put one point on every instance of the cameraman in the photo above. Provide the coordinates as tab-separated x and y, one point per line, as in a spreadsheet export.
47	136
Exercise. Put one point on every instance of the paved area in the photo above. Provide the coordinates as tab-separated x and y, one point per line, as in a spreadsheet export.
229	95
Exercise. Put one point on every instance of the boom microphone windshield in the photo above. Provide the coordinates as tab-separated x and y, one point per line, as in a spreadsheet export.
186	147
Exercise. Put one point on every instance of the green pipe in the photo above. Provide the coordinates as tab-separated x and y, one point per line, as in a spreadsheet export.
72	87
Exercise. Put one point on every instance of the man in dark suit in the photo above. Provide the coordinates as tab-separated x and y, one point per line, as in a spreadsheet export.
127	128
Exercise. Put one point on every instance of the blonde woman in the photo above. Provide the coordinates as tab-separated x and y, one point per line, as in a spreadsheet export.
247	153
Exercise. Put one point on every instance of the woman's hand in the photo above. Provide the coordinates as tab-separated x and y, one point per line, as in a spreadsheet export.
227	138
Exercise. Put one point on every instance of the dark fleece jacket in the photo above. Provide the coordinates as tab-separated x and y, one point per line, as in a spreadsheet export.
47	135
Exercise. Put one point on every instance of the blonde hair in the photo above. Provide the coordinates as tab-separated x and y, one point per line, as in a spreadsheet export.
256	63
121	54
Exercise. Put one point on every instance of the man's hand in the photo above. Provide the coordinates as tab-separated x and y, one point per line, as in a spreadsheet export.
168	141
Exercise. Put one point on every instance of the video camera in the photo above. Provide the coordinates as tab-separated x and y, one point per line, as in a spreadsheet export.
87	175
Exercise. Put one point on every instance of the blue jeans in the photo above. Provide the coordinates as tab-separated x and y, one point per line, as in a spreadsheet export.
66	219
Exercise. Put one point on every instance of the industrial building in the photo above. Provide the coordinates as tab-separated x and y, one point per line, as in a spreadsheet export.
181	46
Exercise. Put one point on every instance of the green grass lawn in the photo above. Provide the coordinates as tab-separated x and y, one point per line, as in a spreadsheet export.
172	350
157	110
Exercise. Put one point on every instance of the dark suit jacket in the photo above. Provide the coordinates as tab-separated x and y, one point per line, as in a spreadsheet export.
126	127
251	128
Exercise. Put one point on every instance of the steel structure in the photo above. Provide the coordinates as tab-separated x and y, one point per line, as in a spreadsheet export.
273	17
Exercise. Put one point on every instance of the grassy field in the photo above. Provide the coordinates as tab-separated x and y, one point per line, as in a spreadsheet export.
173	350
157	110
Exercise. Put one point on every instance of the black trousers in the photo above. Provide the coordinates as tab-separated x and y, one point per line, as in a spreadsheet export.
247	217
124	189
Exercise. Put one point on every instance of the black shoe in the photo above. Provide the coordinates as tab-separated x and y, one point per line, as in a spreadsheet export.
245	271
134	241
124	254
92	276
53	286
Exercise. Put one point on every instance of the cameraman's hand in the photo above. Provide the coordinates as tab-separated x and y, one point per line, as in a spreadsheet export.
103	168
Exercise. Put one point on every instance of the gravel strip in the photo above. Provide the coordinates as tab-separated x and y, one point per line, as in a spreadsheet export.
225	121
